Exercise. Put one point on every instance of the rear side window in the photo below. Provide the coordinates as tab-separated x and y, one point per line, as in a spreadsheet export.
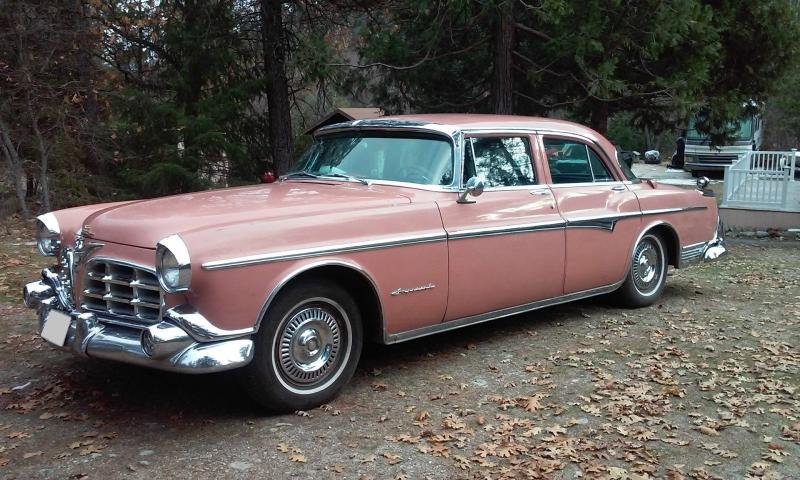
499	161
574	162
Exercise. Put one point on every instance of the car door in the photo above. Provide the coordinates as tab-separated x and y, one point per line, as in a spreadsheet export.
602	214
507	248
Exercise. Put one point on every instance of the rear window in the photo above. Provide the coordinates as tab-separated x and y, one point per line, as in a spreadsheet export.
499	161
574	162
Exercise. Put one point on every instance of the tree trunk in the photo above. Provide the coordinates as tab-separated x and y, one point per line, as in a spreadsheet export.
44	157
502	85
44	154
273	37
600	117
83	61
14	167
648	137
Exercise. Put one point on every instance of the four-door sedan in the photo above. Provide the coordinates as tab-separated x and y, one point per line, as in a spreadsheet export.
389	229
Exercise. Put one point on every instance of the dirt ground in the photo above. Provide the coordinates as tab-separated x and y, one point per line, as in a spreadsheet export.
704	384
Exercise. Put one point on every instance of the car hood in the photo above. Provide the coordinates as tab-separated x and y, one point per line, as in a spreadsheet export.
143	223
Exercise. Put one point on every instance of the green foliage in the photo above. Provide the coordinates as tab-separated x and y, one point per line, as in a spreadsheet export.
198	117
660	61
434	56
758	42
623	132
181	85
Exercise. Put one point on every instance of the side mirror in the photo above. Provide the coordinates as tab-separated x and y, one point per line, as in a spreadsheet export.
473	187
702	183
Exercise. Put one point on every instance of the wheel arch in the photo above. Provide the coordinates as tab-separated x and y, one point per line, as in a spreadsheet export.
349	275
669	234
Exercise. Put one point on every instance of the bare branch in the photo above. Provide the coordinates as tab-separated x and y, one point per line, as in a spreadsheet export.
425	59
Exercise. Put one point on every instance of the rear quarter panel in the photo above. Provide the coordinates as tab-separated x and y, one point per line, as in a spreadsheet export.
697	220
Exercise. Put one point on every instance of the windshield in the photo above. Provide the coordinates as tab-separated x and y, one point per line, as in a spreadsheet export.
425	160
742	131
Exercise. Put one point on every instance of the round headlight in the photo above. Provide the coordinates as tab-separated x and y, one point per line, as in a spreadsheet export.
48	235
173	267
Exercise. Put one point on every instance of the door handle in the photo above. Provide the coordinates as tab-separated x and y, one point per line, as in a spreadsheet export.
540	192
618	188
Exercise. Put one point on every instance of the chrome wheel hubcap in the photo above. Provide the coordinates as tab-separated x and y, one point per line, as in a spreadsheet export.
309	345
646	266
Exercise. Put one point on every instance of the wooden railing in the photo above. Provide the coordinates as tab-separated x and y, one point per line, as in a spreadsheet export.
760	180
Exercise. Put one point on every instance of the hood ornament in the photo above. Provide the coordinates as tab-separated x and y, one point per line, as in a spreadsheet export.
82	247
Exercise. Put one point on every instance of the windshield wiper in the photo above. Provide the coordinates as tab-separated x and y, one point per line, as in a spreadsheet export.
349	177
302	174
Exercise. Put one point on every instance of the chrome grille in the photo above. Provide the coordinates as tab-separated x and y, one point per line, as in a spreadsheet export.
121	293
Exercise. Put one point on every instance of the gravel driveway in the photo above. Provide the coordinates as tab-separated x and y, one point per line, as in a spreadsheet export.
704	384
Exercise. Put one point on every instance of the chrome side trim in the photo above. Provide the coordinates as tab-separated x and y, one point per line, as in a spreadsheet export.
610	183
606	222
390	338
376	124
609	222
535	188
660	211
505	230
322	251
600	223
452	188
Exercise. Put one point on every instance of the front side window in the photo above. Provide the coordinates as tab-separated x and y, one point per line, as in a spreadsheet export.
499	161
425	160
626	170
574	162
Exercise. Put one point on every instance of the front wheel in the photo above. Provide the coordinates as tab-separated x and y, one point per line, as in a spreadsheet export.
306	349
647	274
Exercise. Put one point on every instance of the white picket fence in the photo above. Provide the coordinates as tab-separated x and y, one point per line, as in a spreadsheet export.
761	180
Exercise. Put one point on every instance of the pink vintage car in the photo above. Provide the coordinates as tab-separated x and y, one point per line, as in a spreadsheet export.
389	229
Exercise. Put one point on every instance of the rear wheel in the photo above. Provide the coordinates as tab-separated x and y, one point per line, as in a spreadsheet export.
647	274
306	349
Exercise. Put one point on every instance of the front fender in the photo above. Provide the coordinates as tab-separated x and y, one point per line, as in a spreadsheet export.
236	273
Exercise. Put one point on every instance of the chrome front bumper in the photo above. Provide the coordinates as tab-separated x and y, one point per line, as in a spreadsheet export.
705	167
183	342
705	251
714	250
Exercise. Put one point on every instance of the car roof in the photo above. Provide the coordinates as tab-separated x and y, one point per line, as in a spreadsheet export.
453	122
450	124
469	121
